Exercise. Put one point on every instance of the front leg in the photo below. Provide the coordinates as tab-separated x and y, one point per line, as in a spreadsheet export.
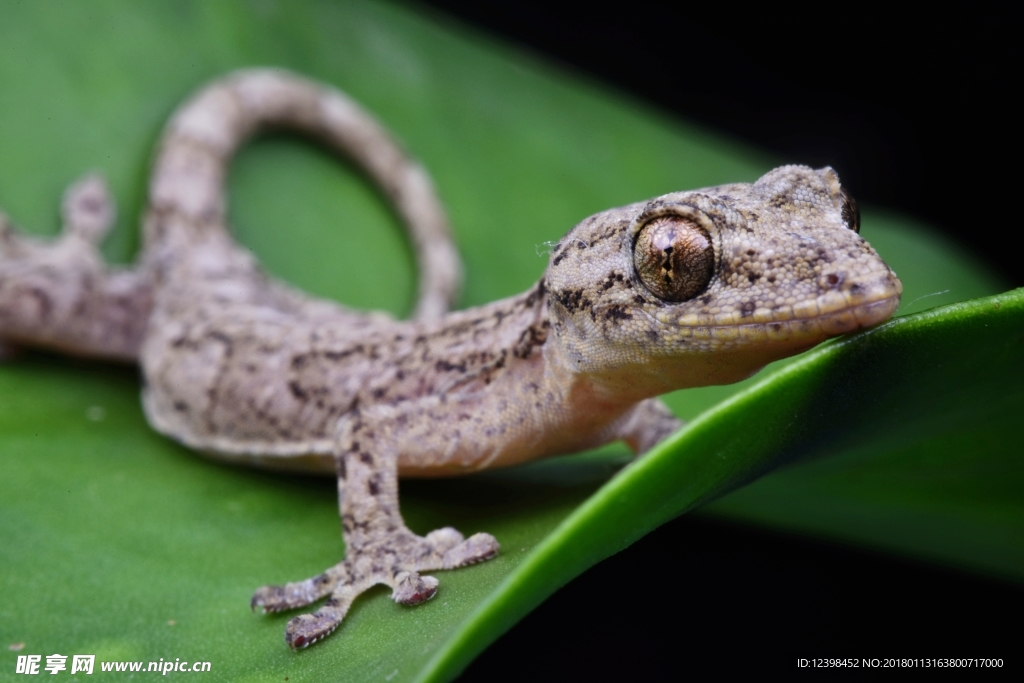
379	548
649	423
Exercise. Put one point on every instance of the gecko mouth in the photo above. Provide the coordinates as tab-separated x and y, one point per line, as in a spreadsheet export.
830	314
815	328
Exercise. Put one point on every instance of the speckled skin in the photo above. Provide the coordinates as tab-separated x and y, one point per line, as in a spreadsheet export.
245	368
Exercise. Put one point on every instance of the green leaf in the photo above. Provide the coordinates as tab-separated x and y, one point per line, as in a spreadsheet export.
116	542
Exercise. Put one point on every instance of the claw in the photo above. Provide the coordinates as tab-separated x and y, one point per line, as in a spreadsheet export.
269	599
412	589
306	629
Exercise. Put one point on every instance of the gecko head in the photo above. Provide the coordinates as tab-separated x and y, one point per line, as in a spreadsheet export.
708	286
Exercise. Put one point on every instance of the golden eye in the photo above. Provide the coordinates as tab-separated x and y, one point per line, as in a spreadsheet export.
674	258
850	212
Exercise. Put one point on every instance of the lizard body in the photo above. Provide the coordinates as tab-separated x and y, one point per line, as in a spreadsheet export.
688	289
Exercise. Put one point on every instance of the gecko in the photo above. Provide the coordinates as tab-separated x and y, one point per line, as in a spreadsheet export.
687	289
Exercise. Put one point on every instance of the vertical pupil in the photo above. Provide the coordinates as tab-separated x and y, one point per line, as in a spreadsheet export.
673	257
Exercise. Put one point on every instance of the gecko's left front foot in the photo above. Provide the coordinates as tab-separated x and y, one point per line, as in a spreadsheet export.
394	559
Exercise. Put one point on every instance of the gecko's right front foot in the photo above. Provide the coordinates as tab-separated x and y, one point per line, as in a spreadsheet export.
395	560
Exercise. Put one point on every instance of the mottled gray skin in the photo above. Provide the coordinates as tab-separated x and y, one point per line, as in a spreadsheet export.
245	368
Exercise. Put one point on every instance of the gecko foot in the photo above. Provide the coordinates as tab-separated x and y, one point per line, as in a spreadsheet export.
395	560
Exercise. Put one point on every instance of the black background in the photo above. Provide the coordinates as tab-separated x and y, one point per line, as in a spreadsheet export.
914	112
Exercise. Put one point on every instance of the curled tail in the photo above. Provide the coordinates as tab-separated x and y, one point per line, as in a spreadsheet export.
186	193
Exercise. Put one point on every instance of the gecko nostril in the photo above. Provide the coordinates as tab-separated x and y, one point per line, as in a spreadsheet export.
834	279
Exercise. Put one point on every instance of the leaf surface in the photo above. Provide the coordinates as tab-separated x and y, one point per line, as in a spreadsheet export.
117	542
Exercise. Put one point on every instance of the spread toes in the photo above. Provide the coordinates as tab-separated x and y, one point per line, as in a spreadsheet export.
395	560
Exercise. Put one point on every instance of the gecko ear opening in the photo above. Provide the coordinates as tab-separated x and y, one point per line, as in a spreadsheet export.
842	199
674	257
850	211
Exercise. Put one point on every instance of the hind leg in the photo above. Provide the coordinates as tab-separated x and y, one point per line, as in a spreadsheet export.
379	548
60	294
